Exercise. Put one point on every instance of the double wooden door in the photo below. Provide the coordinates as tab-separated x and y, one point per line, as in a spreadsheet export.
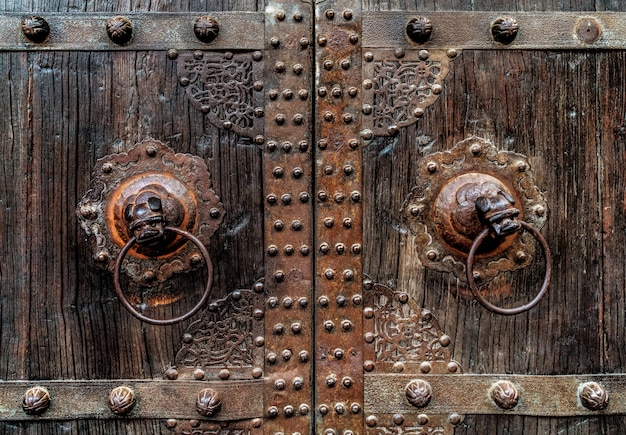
338	138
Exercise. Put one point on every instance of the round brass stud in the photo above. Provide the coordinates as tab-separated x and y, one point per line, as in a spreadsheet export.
36	401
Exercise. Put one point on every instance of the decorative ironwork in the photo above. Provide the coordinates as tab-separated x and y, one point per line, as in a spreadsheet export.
122	400
225	335
222	85
402	332
504	394
118	179
593	396
400	85
199	427
441	212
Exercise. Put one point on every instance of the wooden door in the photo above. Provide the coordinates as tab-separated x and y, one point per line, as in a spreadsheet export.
331	310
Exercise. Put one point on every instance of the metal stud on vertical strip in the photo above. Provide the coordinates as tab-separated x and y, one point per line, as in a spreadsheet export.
338	218
288	223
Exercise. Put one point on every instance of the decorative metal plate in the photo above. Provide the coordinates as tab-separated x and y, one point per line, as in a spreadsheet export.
149	164
441	187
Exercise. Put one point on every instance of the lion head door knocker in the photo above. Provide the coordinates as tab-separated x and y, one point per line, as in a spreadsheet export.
151	212
474	212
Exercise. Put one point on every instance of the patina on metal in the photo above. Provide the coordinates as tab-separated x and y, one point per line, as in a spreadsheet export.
122	400
462	192
155	208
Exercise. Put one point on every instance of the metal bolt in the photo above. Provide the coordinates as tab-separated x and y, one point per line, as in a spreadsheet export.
206	29
119	30
419	29
208	402
504	30
35	28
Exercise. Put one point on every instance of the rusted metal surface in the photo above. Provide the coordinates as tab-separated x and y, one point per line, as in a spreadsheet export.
150	31
287	189
473	30
399	84
117	208
226	86
108	399
441	209
338	218
227	342
537	395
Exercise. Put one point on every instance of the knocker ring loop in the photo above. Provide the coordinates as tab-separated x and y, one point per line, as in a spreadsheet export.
137	314
546	281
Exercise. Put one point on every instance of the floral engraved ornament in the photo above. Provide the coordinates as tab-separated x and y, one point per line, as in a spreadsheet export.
402	85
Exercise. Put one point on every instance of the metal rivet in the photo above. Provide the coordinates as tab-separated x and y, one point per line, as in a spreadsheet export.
272	358
593	396
329	222
279	276
278	329
419	29
336	92
289	411
329	274
259	286
368	284
455	419
206	29
504	30
367	134
352	91
347	223
338	353
347	381
475	149
341	301
288	250
423	54
171	374
298	383
279	384
346	325
278	172
369	337
329	325
367	109
324	248
198	374
296	328
431	255
36	29
304	409
323	301
371	420
287	354
208	402
36	401
339	197
347	118
224	374
286	199
323	409
303	94
340	248
304	42
304	250
353	39
274	42
329	116
418	393
399	53
322	196
348	14
328	64
272	250
331	381
425	367
303	302
348	275
280	15
422	419
304	197
288	302
418	112
345	64
322	40
540	210
273	94
330	14
368	365
280	67
297	69
453	367
340	408
357	300
398	419
398	367
119	30
272	412
504	394
297	172
280	119
171	423
298	119
303	356
279	225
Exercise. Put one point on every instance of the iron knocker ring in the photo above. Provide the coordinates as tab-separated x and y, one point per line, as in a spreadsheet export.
137	314
546	280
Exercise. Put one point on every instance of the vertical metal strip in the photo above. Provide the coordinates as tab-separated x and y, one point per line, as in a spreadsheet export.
338	219
287	167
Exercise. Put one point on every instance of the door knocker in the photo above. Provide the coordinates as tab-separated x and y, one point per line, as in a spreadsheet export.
474	212
151	212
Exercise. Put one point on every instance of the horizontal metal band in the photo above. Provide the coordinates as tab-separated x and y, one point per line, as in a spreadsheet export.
541	396
472	30
157	399
151	31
